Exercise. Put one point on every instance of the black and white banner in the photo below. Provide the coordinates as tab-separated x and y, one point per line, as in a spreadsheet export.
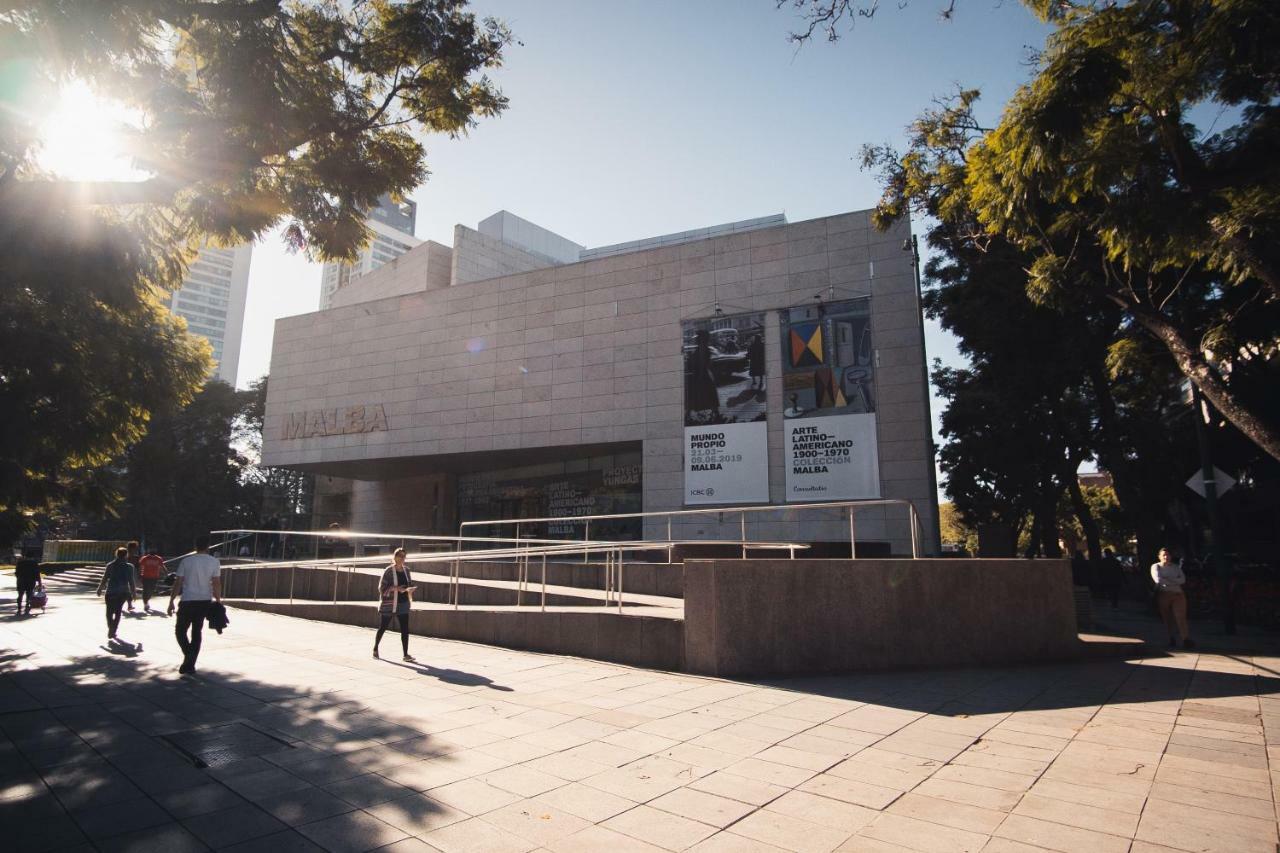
726	439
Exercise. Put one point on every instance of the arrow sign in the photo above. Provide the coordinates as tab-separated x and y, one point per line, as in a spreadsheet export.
1221	479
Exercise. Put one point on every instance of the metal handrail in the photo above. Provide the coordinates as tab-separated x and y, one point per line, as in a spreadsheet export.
851	506
613	552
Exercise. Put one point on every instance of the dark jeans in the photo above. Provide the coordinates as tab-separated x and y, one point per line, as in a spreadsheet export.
148	590
191	614
25	589
115	601
402	619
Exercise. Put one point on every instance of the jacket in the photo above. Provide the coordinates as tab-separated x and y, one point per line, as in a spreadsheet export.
217	616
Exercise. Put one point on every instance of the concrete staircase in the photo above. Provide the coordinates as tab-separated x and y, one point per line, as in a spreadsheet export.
77	576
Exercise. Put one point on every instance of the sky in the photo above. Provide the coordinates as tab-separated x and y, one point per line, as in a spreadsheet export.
633	119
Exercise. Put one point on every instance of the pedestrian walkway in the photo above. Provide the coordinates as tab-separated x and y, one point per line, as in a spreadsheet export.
309	744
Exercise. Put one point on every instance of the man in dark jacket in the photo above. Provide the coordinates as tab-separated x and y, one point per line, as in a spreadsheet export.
26	574
117	579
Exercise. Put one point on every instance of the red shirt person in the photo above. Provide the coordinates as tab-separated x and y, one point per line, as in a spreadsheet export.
150	568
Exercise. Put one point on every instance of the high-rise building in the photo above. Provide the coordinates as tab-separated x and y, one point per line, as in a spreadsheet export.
392	224
212	299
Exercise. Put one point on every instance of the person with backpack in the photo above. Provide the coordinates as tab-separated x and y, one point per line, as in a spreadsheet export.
199	584
117	580
150	569
395	590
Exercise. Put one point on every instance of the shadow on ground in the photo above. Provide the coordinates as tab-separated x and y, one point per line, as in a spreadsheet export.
89	755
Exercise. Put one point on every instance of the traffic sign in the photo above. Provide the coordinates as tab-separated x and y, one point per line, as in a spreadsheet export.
1221	479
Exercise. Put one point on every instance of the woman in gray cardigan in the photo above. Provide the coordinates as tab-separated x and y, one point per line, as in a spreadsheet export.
396	591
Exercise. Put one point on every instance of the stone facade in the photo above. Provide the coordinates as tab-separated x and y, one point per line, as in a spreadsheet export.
554	357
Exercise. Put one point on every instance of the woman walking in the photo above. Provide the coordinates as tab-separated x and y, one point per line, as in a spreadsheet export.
1170	599
117	579
396	590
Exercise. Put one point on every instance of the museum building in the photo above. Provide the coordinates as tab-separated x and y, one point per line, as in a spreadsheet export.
518	374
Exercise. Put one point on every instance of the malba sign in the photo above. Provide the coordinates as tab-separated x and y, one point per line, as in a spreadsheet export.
346	421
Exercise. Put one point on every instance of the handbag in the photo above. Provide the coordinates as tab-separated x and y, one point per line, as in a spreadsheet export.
39	598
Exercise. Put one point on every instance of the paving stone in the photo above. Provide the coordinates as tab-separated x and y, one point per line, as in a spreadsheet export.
703	807
233	825
417	814
536	821
475	835
789	833
597	838
595	805
353	832
473	796
304	806
736	787
1057	836
660	828
947	812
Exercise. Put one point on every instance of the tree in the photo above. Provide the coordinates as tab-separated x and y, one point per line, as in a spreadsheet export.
1098	171
251	114
1049	385
285	496
186	477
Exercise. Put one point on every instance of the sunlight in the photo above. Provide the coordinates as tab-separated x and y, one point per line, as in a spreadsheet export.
85	138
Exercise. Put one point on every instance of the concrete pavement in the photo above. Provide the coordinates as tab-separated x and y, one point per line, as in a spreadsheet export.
311	744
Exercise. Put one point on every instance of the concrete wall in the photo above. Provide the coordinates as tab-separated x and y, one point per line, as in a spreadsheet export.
426	267
590	353
477	257
775	617
515	231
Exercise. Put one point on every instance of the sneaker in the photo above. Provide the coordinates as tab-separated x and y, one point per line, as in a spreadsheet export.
1188	643
410	658
375	653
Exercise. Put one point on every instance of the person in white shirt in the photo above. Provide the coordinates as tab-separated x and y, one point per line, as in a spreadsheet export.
1170	599
199	584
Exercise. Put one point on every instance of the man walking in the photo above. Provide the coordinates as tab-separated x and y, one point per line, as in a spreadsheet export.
199	583
150	570
117	579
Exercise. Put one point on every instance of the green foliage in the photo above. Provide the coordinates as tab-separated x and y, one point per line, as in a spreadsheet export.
186	477
1099	173
954	530
252	114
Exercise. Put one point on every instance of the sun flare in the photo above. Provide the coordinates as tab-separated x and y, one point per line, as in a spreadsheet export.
84	138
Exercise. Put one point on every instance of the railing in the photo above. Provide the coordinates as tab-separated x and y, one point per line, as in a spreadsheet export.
524	552
585	520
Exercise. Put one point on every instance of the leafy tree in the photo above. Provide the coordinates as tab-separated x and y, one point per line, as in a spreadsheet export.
186	476
285	496
252	114
1098	171
1049	385
954	530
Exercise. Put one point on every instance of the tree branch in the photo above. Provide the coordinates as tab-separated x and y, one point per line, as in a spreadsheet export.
1194	366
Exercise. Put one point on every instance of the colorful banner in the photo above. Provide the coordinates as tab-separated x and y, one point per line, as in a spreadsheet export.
829	402
726	442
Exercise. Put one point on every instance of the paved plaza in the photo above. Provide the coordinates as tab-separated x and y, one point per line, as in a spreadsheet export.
486	749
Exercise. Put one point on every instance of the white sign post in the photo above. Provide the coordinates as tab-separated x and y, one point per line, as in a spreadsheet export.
726	463
832	458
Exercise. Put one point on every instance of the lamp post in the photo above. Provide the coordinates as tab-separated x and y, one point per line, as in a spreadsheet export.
912	245
1218	547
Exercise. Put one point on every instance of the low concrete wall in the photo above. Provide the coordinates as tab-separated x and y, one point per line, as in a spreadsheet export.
645	641
784	617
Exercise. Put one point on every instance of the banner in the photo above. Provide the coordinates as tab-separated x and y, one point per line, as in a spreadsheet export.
726	441
829	415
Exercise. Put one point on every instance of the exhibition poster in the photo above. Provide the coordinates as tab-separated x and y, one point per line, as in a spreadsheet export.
829	404
726	440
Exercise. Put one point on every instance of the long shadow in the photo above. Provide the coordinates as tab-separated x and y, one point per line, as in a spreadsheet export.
91	753
452	676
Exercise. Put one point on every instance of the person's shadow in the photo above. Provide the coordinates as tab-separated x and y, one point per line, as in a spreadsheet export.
124	649
453	676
